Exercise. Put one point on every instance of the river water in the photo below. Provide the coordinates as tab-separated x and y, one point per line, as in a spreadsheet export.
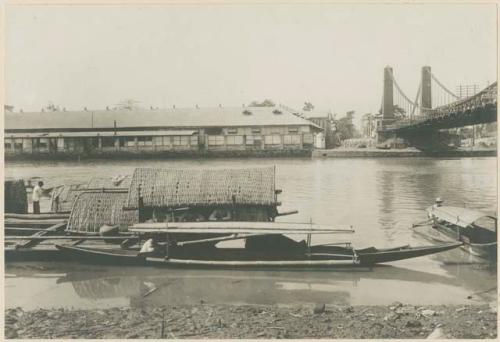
380	198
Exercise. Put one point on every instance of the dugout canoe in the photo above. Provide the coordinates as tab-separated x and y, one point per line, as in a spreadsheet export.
319	257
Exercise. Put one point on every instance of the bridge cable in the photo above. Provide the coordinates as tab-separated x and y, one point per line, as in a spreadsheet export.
416	100
444	88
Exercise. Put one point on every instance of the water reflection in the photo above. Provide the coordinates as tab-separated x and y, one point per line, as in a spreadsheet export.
158	287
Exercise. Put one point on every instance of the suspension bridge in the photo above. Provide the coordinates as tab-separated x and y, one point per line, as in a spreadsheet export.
434	108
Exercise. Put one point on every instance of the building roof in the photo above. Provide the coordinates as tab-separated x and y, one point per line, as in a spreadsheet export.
174	188
179	118
94	133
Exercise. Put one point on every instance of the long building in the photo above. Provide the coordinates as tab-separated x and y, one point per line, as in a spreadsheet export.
203	131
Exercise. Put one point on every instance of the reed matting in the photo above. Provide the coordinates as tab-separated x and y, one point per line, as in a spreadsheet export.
93	209
195	187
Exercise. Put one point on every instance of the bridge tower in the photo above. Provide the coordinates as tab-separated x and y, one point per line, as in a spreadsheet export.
387	104
388	101
426	94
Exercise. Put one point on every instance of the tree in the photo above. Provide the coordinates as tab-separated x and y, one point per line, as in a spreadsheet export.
346	128
399	112
265	103
127	104
308	106
50	107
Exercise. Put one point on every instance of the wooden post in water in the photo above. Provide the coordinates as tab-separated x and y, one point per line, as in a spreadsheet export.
140	205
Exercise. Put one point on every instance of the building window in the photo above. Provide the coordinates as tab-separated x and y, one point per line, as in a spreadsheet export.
308	139
94	141
181	140
194	140
215	140
41	143
60	143
18	144
167	140
232	131
130	141
291	139
272	140
249	139
293	129
234	140
7	144
108	142
145	141
256	130
157	141
127	141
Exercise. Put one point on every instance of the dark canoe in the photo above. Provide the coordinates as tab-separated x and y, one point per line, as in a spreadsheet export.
371	256
366	257
39	253
102	256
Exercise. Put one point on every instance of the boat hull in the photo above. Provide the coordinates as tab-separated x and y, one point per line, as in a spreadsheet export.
365	258
485	251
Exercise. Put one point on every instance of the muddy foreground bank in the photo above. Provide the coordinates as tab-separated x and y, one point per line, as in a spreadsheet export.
220	321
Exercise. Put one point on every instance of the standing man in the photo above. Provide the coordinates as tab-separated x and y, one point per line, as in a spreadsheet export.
36	195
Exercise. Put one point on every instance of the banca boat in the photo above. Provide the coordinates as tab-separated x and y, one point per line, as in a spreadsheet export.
475	229
266	245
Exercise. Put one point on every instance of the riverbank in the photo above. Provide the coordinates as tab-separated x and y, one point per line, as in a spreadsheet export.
399	153
160	155
262	321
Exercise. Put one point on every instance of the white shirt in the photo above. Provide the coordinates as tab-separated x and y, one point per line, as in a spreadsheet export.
147	247
37	193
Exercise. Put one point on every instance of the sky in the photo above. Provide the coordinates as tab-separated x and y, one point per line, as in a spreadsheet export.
332	55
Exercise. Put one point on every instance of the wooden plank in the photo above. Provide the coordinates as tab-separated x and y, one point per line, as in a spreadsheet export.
284	213
45	216
67	237
22	229
238	231
34	239
218	239
238	226
15	221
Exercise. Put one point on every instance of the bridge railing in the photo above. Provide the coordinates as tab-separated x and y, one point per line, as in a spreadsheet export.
486	97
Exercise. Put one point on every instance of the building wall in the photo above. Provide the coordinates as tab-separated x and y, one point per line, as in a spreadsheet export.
258	138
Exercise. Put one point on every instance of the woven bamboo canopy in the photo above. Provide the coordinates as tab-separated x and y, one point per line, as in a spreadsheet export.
171	188
64	196
93	209
109	182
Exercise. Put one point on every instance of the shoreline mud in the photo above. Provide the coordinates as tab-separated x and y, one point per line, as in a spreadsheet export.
257	322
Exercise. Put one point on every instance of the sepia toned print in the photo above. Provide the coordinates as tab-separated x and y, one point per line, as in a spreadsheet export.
230	170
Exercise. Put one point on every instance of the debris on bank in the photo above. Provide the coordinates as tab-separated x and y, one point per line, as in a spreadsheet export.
249	321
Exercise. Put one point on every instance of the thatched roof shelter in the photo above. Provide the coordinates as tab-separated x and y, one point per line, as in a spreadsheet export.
15	196
64	196
109	182
172	188
93	209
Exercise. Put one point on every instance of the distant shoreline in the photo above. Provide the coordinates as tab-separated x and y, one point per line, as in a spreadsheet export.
400	153
265	154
